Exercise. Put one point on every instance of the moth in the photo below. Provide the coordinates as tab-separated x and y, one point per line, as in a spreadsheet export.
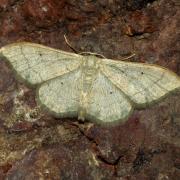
88	87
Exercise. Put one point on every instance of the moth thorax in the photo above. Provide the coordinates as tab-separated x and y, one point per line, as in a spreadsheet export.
90	62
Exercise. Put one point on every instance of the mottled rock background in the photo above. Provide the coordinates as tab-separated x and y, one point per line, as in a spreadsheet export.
34	145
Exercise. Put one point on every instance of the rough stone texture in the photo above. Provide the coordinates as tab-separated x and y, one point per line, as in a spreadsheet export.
34	145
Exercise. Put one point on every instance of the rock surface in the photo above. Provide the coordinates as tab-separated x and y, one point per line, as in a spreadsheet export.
34	145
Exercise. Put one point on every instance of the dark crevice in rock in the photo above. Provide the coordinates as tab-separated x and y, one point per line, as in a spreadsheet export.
83	134
141	160
98	153
10	5
107	162
16	2
114	164
136	5
137	34
144	158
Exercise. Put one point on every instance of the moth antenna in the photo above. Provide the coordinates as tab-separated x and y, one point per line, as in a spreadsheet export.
132	55
91	53
67	42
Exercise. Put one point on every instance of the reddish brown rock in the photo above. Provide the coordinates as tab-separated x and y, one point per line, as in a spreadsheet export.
56	162
115	142
44	12
139	23
21	127
3	4
145	147
7	78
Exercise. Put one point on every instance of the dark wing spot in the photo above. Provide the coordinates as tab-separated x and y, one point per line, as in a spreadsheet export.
62	83
111	92
142	72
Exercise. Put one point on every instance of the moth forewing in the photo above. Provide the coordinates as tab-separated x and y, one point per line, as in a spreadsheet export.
37	63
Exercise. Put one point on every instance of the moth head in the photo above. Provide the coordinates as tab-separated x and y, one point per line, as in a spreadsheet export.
90	61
